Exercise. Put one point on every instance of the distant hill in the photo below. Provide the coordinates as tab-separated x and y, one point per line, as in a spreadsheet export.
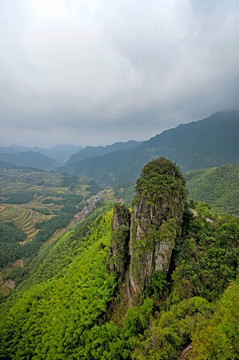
30	159
209	142
90	152
6	165
60	153
200	144
219	187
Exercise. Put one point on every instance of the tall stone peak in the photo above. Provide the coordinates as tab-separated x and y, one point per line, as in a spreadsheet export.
156	221
142	242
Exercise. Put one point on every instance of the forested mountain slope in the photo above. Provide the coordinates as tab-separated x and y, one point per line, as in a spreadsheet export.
200	144
84	299
218	187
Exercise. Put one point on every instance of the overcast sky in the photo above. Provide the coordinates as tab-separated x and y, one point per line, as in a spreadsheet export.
93	72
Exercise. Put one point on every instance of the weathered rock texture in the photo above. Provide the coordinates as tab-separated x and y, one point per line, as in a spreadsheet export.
156	221
118	259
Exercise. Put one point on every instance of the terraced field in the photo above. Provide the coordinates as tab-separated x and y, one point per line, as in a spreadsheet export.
42	182
29	197
2	208
23	218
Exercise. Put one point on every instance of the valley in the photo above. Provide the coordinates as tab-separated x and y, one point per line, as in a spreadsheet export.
38	208
119	180
96	293
142	270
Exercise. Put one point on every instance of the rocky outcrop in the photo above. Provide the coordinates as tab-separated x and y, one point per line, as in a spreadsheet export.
118	259
156	221
155	225
121	216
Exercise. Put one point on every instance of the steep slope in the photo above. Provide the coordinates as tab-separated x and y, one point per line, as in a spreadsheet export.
200	144
30	159
218	187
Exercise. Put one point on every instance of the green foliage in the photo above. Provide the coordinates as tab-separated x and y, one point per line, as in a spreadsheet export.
68	180
137	319
123	214
42	211
218	338
206	258
93	188
54	319
17	273
160	179
217	186
158	285
170	333
10	250
17	198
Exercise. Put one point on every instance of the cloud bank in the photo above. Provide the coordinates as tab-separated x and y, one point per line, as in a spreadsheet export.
99	71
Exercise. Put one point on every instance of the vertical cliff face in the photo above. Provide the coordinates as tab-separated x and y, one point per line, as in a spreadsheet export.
156	221
118	259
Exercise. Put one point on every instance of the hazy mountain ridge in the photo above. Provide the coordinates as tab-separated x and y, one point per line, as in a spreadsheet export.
60	153
95	151
29	159
201	144
6	165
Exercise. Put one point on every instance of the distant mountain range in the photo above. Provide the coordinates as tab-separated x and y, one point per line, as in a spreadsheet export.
27	159
59	153
90	152
200	144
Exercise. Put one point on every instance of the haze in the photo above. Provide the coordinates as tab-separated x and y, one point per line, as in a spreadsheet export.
95	72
